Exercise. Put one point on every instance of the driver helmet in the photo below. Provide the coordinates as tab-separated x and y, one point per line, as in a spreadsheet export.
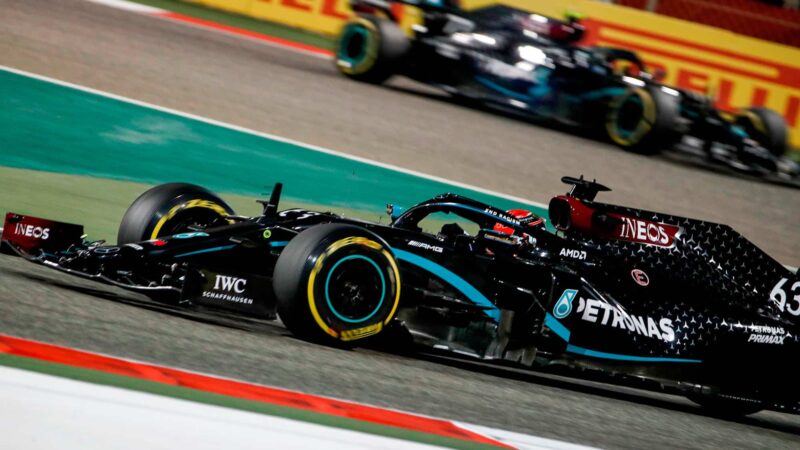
525	217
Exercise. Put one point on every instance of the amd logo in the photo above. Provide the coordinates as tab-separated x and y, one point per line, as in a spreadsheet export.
20	229
230	284
574	254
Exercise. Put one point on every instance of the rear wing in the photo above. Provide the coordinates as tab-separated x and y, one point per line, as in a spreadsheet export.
31	234
702	254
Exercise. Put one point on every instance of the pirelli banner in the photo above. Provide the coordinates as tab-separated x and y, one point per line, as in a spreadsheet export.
737	70
319	16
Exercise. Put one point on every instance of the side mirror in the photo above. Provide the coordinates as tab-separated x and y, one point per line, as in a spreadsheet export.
393	211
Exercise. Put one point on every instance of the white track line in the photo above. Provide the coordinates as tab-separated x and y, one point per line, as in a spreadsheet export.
129	6
271	136
112	417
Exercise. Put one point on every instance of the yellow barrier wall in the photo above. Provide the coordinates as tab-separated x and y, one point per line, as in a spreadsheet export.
740	71
319	16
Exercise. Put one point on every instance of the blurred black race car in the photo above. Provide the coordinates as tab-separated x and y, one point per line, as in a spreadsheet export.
530	64
686	305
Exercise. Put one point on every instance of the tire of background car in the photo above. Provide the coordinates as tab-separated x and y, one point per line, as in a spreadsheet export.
643	120
370	49
171	208
765	126
336	283
725	406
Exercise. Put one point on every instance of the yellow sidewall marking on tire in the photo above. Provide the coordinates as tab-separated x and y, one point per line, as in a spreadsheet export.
310	295
359	333
184	206
373	44
396	282
755	119
644	125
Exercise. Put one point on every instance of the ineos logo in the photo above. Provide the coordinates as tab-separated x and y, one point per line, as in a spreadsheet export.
226	283
640	277
645	232
22	229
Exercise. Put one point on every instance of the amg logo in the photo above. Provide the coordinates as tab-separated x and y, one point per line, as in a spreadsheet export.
646	232
230	284
21	229
575	254
425	246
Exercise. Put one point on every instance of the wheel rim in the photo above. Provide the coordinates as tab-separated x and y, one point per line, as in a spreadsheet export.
629	116
357	50
353	47
355	289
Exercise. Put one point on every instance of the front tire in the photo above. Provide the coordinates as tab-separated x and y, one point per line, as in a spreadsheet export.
171	208
643	120
336	283
765	126
370	49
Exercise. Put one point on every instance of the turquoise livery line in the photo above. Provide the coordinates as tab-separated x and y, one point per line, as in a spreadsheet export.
563	332
454	280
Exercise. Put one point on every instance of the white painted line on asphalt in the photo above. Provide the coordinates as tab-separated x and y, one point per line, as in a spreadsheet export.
521	441
44	411
130	6
271	136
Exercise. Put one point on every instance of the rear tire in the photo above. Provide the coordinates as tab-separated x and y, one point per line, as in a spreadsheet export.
336	284
643	120
370	49
171	208
765	126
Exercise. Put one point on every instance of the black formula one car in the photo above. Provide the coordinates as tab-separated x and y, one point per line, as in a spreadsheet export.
683	304
530	64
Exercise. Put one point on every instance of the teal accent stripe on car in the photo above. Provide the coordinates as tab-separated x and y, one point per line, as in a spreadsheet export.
557	327
279	243
472	208
564	333
601	93
502	90
206	250
451	278
585	351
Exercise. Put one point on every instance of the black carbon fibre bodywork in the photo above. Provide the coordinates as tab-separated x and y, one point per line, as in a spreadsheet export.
686	304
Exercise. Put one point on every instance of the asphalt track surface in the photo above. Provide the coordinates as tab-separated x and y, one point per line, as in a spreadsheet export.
302	98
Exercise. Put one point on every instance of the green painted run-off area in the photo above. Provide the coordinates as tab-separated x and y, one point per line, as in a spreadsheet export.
49	127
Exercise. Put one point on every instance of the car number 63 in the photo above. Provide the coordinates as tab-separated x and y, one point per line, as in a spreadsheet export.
780	296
